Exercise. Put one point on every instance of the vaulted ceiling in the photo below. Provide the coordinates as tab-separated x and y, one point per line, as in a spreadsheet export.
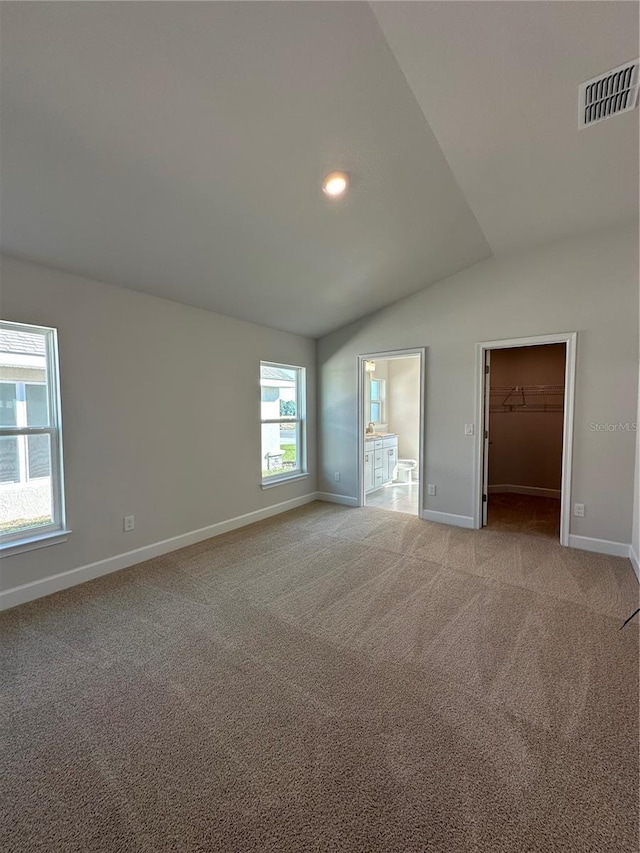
178	148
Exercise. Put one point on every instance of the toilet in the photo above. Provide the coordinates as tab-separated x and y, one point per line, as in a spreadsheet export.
404	470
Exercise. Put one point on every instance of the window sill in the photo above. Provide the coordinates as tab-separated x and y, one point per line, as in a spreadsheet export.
18	546
279	481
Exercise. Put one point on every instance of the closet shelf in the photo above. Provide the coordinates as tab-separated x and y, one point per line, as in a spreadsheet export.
526	398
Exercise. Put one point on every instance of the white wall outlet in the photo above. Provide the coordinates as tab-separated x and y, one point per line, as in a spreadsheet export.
578	509
468	429
129	523
336	476
431	488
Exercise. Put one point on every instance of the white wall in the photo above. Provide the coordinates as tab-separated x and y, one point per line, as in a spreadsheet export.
403	392
161	414
635	536
588	285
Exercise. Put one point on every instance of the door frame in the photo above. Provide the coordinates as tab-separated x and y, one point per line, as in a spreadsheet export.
391	354
570	340
484	506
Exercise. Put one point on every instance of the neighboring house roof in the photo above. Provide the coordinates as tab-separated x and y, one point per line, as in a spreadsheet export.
276	373
22	343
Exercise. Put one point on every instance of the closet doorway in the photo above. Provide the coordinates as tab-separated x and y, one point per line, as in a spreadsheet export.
526	391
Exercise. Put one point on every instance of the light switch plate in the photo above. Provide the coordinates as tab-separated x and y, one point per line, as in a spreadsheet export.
468	429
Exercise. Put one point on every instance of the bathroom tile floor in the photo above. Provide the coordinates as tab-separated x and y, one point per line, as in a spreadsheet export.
397	497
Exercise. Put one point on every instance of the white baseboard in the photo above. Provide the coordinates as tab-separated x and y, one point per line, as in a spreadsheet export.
36	589
635	562
345	500
525	490
599	546
447	518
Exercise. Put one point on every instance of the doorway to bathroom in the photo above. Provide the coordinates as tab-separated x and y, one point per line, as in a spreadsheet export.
391	430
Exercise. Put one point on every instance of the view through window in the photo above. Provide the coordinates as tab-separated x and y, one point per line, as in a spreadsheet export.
30	463
377	401
282	414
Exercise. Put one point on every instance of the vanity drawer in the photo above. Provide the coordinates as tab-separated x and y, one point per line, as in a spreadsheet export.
378	444
379	479
391	441
378	459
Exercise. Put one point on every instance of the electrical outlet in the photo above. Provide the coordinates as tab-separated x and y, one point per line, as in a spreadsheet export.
336	476
431	489
578	509
468	429
129	523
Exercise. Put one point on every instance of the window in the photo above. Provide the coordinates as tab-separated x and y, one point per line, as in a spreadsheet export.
282	411
31	496
376	411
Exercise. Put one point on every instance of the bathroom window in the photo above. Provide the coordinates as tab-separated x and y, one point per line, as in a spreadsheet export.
283	422
31	491
376	410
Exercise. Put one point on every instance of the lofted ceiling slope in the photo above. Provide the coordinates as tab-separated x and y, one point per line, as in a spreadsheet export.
498	83
178	148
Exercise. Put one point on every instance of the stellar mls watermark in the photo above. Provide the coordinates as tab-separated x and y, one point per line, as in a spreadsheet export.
611	427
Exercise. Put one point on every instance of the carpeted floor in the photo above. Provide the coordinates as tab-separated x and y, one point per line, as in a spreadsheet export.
524	514
329	680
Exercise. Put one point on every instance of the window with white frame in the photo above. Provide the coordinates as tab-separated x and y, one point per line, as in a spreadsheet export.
31	483
377	402
282	412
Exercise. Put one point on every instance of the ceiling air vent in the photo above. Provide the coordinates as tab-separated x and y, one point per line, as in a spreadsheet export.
608	94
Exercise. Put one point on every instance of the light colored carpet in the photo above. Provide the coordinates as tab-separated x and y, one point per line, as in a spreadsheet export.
329	680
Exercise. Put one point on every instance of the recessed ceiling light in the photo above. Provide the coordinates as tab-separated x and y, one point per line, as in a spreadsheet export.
335	184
